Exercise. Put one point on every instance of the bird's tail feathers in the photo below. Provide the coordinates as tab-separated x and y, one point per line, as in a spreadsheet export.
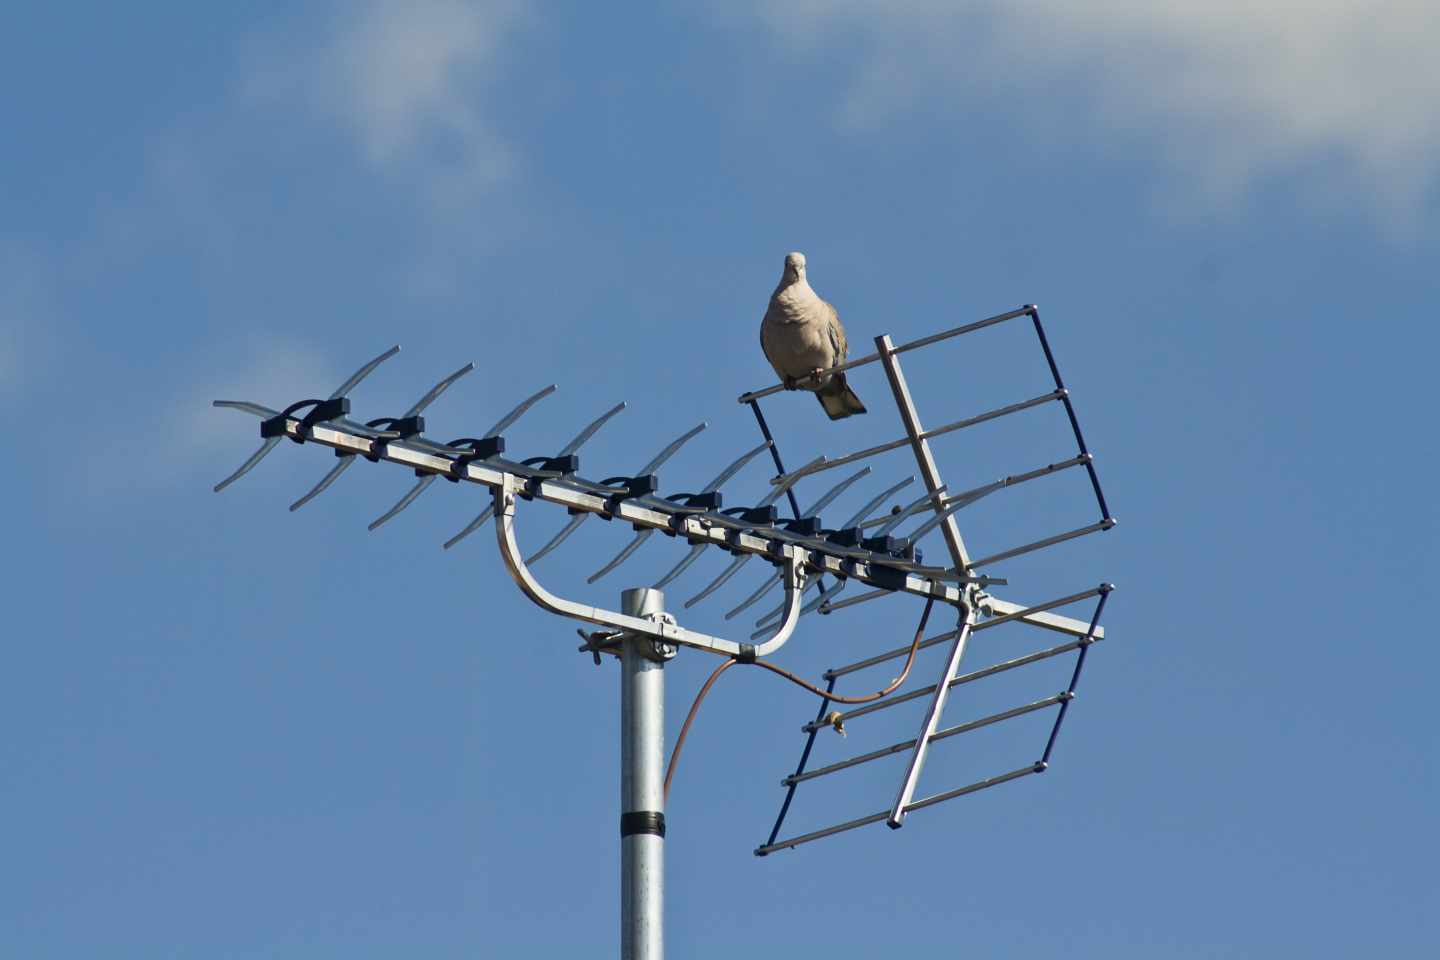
838	399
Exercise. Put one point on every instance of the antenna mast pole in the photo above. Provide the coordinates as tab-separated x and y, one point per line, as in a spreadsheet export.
642	779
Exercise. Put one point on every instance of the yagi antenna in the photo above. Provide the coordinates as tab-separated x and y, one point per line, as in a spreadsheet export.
875	552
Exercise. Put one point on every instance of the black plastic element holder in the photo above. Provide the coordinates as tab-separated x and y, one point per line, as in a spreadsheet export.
894	546
403	428
320	411
639	486
633	486
804	526
710	500
887	578
760	516
849	537
479	448
561	466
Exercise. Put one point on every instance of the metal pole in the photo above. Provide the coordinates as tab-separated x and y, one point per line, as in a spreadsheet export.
642	777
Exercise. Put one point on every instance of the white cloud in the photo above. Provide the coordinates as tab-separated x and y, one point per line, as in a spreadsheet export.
407	80
1234	91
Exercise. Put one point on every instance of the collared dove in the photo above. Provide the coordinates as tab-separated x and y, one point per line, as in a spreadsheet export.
801	335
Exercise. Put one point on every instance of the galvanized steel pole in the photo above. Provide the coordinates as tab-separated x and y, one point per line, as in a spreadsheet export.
642	783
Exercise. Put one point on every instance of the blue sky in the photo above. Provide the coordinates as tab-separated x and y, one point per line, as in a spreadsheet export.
238	731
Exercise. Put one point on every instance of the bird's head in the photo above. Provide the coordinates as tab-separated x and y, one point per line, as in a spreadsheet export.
794	267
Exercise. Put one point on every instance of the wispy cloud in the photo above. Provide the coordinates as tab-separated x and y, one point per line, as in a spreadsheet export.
407	80
1232	91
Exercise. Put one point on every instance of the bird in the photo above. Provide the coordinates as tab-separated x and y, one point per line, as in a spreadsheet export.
802	337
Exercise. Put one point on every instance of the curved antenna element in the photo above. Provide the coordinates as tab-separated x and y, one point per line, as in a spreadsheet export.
509	419
690	557
589	431
435	391
570	527
724	476
788	481
859	516
249	464
659	459
470	527
622	556
325	482
719	581
834	492
763	589
403	502
264	413
363	372
919	532
910	509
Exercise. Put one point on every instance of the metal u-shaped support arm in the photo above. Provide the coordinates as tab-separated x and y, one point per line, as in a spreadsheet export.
794	560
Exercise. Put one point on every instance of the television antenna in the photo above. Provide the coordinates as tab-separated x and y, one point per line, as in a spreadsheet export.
802	552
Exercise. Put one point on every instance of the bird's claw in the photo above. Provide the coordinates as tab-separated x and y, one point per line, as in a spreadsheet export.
791	383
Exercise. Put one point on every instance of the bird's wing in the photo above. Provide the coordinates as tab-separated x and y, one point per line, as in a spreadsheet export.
766	334
837	334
